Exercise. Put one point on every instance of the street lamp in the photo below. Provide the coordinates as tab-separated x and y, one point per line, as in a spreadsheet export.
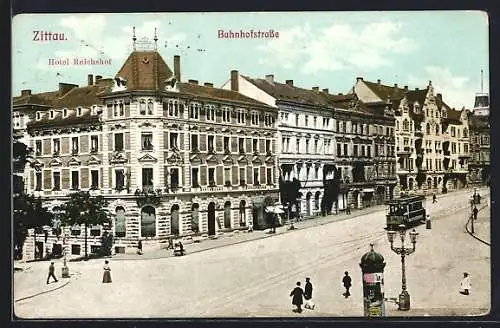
404	297
82	213
65	268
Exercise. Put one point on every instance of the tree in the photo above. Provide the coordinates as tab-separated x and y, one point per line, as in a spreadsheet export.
28	214
82	208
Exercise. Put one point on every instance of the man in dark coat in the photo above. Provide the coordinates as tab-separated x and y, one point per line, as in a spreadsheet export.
434	198
347	284
297	294
51	272
308	290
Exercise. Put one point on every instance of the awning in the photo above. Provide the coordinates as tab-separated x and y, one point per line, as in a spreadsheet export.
369	190
274	209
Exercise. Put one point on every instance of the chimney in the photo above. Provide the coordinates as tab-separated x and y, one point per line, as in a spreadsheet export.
270	78
208	84
193	82
177	67
316	89
90	79
235	80
395	85
359	78
289	82
406	88
97	78
378	81
26	92
64	88
325	90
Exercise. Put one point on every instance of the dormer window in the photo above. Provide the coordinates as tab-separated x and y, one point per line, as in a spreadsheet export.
51	114
142	107
150	107
416	108
38	116
79	111
65	112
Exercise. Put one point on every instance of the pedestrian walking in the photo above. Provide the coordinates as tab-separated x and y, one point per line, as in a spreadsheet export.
297	294
139	247
308	291
51	272
106	277
474	212
347	284
465	285
434	198
348	209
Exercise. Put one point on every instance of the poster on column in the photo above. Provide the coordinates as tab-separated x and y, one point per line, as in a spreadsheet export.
152	130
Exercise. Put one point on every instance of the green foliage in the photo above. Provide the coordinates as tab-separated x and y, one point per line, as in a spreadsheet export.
28	214
82	208
290	191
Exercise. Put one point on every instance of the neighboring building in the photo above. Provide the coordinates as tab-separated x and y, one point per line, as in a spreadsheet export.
171	158
480	136
432	140
326	142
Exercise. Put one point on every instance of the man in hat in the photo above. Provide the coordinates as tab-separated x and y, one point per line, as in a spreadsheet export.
51	272
296	295
347	284
308	290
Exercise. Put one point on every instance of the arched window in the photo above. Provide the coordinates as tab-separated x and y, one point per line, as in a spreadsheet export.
142	107
195	217
427	128
227	215
243	216
148	221
120	222
150	108
174	220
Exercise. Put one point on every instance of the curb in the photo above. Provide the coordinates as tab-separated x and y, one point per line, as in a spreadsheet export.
470	233
45	291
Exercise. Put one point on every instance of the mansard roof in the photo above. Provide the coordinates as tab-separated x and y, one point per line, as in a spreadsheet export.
286	92
145	70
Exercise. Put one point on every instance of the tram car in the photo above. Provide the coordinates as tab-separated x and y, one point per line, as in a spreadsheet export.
407	210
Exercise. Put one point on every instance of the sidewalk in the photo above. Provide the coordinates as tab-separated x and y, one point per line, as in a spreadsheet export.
240	237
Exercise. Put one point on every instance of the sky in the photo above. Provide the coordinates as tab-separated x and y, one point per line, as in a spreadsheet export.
325	49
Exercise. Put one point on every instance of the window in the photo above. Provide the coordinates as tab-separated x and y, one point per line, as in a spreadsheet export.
79	111
316	146
316	172
194	177
255	118
255	145
297	145
363	150
37	116
465	133
56	146
51	114
226	115
211	148
268	146
56	179
65	112
38	147
75	183
355	150
227	176
173	140
147	140
327	142
355	128
119	179
94	144
339	150
345	149
297	119
74	145
150	107
242	176
174	177
240	116
118	141
466	148
405	125
227	215
315	119
269	176
147	179
75	248
307	146
210	113
226	145
268	120
241	145
306	120
142	107
148	221
172	108
452	131
256	180
94	179
211	176
326	123
38	181
120	222
194	142
369	151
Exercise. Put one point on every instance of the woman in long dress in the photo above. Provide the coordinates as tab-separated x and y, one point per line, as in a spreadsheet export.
106	278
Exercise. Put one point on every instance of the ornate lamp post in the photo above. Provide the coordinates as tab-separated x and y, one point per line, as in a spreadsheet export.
404	297
65	268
